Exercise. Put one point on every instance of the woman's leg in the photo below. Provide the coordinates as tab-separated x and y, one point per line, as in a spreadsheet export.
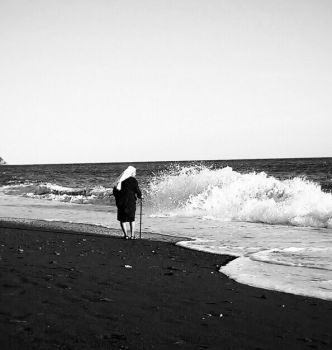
124	228
132	229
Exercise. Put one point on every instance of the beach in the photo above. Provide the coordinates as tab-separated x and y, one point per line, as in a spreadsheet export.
68	288
275	215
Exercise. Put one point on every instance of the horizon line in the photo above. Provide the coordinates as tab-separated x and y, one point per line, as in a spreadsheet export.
169	161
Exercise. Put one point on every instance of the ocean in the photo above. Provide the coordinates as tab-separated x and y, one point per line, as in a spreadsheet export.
275	215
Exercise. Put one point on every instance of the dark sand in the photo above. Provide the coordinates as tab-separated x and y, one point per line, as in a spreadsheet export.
72	291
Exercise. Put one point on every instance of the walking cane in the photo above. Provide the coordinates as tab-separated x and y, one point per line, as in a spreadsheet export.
140	220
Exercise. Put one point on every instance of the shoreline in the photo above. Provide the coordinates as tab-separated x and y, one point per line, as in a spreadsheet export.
100	230
80	228
84	290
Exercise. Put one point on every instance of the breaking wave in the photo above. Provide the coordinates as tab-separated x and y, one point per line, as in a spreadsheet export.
224	194
96	195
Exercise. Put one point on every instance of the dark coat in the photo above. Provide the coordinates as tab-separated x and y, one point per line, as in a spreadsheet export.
125	199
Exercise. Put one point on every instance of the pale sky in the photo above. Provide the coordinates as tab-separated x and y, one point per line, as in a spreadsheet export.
139	80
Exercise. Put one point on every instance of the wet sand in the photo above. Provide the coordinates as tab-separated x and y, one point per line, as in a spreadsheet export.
70	289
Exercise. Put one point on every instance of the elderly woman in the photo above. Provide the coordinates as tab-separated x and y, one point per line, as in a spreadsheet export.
126	191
